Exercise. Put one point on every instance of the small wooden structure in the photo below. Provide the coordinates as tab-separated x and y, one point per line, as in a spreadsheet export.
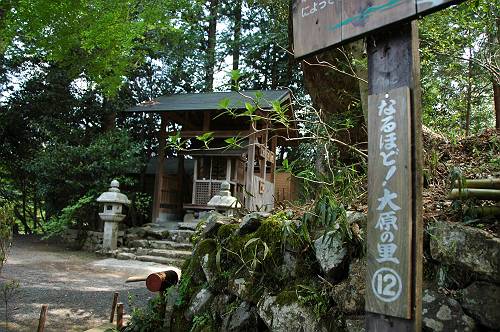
249	167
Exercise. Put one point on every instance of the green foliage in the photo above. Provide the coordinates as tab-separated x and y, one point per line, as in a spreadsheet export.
184	290
313	297
206	138
458	50
142	204
8	289
328	214
6	223
202	323
146	319
103	39
87	169
72	215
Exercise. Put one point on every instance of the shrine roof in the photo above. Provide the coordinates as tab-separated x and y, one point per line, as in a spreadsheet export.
211	101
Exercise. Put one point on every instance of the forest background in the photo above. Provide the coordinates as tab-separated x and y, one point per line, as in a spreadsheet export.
69	68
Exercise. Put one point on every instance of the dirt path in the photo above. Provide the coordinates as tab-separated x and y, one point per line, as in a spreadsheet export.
77	286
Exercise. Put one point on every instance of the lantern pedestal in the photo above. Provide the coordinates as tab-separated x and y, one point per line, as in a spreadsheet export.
110	237
112	215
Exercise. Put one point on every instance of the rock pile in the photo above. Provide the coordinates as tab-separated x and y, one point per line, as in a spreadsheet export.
88	240
275	273
270	273
467	262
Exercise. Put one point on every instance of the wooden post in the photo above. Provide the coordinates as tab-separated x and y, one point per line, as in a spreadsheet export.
250	169
180	182
119	316
393	62
113	307
43	318
162	137
273	166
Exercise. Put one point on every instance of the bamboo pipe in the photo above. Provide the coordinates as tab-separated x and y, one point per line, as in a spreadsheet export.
158	281
485	194
479	184
484	211
136	279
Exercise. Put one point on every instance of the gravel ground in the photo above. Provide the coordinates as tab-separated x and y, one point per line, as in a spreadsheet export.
77	286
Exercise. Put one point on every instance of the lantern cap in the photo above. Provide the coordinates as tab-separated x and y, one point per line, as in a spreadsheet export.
113	195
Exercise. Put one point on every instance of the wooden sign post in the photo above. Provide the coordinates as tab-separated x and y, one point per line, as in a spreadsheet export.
394	248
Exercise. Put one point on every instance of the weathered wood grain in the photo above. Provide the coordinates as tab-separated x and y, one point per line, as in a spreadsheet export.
312	25
113	307
424	6
393	62
389	281
162	138
360	17
321	24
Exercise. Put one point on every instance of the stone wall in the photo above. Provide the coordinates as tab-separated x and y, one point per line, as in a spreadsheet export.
89	240
464	264
271	273
287	273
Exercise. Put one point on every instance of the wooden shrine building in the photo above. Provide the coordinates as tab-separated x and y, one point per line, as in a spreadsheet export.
197	171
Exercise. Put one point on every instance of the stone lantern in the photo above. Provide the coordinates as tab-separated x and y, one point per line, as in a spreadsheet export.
224	202
113	201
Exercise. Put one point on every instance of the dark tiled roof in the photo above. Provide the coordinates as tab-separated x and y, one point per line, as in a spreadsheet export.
209	101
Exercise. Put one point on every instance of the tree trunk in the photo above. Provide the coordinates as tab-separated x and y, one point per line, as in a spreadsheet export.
469	97
236	39
108	118
496	86
496	96
358	52
274	69
291	59
211	43
35	207
336	94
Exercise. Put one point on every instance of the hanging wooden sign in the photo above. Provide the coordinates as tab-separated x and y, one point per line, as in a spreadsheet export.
389	204
319	24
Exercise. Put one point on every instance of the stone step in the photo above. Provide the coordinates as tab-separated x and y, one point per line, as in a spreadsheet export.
159	233
180	235
188	225
160	244
161	260
125	256
167	253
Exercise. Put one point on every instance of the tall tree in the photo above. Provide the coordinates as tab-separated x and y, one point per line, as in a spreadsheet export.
213	8
236	52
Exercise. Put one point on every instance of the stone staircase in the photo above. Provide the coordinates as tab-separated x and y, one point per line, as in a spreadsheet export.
154	243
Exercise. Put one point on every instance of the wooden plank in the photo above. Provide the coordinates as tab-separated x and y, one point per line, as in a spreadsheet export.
180	183
119	315
312	21
427	6
216	133
162	137
43	318
389	204
321	24
417	155
360	17
250	170
393	61
206	121
113	307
